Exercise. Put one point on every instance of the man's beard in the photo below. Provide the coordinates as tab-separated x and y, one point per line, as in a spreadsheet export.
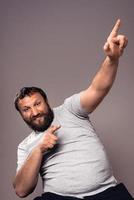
47	120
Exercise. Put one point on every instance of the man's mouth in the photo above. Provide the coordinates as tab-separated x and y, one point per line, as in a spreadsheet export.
38	120
37	117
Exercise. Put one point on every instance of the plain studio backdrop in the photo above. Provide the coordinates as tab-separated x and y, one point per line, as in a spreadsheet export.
57	45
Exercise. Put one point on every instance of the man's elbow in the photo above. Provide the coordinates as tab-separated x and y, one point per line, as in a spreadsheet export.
21	191
21	194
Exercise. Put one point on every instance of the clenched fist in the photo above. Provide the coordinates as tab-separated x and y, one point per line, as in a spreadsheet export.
49	139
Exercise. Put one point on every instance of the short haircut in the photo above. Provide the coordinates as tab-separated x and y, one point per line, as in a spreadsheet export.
28	91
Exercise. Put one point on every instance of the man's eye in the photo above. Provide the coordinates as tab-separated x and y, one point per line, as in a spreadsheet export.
38	103
25	110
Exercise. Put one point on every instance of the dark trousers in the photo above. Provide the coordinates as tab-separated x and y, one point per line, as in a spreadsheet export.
119	192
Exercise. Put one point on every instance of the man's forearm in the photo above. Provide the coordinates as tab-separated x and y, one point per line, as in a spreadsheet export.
27	177
105	77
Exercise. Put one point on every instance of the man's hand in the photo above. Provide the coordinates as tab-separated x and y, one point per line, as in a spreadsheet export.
49	139
115	43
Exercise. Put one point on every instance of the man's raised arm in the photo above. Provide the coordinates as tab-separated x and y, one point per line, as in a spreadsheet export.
103	80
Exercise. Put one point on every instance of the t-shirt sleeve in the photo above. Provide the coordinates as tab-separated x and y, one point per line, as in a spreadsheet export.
73	105
22	155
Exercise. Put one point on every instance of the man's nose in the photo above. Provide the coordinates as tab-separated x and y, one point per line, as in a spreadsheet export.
34	111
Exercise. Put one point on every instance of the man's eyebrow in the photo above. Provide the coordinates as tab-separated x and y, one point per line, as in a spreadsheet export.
37	100
25	107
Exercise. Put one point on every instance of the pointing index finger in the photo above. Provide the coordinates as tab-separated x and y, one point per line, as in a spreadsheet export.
115	29
54	128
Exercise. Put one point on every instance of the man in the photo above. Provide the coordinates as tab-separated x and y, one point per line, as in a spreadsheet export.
63	146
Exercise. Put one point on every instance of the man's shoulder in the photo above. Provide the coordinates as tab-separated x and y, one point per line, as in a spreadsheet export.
26	140
70	99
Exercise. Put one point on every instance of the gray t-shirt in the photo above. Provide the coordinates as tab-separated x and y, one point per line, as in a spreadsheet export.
78	164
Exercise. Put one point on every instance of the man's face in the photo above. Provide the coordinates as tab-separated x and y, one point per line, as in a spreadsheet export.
36	112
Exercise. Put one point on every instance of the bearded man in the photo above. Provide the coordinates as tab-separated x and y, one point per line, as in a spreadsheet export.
64	147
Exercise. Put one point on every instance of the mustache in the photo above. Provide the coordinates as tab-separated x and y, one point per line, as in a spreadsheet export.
38	115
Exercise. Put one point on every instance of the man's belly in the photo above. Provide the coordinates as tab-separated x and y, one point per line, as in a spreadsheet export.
77	168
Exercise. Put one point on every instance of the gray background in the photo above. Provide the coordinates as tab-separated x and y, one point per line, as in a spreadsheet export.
57	45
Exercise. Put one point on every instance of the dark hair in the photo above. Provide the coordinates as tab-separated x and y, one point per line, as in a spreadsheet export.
28	91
